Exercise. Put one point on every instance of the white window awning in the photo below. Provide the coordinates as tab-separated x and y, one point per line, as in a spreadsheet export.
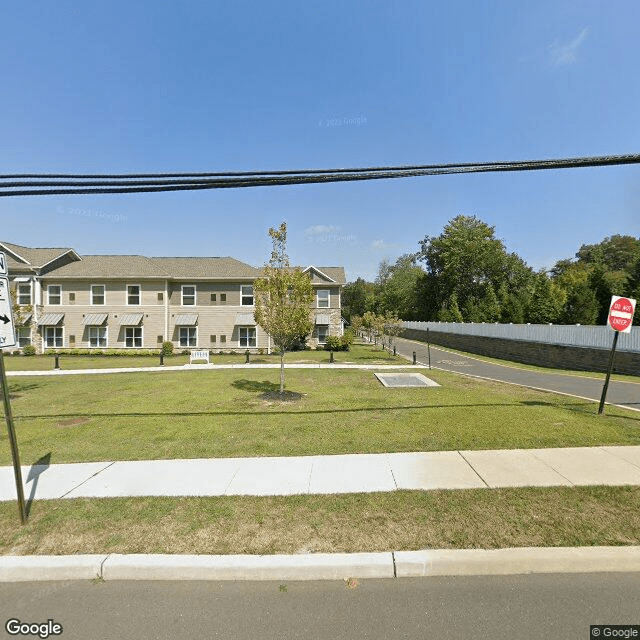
51	319
26	319
130	319
187	319
93	319
323	319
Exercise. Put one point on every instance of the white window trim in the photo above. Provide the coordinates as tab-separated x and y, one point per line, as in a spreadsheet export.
187	346
52	326
195	295
49	294
326	335
104	295
22	284
318	305
19	338
141	337
256	337
106	336
252	296
126	293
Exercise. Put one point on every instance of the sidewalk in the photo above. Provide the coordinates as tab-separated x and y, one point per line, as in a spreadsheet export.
326	474
608	465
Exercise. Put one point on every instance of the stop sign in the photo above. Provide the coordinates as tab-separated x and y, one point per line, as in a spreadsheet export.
621	313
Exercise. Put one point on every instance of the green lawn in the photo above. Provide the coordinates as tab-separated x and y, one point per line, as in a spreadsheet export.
359	354
224	413
402	520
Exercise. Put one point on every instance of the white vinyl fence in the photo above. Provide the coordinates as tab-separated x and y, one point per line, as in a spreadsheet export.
598	337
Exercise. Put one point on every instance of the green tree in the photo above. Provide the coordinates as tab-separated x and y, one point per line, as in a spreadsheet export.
282	299
450	311
357	298
463	260
397	287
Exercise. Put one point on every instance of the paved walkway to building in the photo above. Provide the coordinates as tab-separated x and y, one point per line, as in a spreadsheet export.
574	466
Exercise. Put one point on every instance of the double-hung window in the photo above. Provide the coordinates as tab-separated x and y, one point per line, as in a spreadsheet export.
24	293
24	336
323	298
133	294
97	294
97	336
54	294
133	336
246	295
188	295
53	337
247	336
188	336
323	332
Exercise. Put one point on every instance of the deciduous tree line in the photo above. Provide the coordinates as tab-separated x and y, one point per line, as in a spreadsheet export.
466	274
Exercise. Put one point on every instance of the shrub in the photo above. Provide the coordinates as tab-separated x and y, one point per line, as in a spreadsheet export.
261	351
29	350
167	348
185	352
333	343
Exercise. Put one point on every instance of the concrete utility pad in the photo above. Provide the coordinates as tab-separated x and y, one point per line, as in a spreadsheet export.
405	380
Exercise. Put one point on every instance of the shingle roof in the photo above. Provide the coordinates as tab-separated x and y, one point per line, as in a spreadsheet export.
32	257
110	267
206	268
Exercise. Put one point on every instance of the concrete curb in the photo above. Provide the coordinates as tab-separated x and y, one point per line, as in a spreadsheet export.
322	566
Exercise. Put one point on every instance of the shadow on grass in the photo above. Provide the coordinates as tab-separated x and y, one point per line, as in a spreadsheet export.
264	386
581	407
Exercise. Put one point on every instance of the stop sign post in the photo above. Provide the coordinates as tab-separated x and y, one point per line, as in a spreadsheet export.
620	319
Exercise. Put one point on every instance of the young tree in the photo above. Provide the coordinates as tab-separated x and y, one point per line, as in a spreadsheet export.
283	298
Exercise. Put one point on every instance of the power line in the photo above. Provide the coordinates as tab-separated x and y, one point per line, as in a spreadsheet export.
74	184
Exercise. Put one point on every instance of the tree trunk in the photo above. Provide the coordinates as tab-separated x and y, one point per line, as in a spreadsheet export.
282	372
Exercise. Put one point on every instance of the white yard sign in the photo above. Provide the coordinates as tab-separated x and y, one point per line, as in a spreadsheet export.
7	328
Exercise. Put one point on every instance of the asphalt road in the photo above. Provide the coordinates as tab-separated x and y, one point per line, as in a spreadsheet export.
543	606
626	394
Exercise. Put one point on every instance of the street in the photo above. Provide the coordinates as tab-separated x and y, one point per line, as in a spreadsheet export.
625	394
544	606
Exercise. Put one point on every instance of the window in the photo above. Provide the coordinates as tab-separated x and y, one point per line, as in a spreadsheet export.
213	297
223	297
24	293
53	337
72	297
97	294
54	294
247	336
188	295
323	332
133	336
160	296
133	294
223	339
323	298
97	336
24	336
187	336
246	295
212	339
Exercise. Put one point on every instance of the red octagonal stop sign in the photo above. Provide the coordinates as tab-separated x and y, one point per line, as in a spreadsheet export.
621	313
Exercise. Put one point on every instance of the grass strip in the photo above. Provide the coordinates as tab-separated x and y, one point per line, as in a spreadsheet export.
233	413
358	354
403	520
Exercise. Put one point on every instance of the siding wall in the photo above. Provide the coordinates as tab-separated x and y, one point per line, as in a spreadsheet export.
215	318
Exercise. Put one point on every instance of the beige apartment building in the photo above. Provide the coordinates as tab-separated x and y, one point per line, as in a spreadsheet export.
69	301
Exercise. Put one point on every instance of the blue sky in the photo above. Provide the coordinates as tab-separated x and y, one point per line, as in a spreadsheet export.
145	87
